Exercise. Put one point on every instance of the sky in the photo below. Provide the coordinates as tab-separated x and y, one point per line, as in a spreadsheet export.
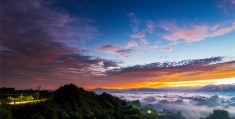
117	44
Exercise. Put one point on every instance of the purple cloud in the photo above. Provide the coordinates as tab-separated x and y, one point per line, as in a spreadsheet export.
34	43
165	65
108	48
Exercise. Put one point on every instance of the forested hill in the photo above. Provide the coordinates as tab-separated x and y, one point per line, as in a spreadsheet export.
71	102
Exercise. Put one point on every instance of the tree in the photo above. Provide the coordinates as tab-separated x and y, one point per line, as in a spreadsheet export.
20	98
28	98
10	99
218	114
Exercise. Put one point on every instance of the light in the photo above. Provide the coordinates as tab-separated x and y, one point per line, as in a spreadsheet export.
149	111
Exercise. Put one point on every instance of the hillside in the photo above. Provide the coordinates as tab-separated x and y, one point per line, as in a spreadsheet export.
71	102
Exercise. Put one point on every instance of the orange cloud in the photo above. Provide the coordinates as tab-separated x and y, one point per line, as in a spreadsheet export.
172	77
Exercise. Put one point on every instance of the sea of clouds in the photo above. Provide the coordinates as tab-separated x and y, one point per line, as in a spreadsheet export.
192	105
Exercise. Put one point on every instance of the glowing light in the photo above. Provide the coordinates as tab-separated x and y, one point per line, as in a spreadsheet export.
149	111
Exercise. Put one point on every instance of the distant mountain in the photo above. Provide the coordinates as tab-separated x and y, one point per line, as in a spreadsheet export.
207	88
217	88
127	90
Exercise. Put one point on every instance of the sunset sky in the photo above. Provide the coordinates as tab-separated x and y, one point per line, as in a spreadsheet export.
117	44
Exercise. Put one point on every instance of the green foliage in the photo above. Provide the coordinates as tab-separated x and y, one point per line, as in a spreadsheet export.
10	99
20	98
135	104
218	114
28	98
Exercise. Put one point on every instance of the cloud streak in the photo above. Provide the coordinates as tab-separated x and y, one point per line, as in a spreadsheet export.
141	37
108	48
195	33
135	22
132	44
169	30
165	65
166	49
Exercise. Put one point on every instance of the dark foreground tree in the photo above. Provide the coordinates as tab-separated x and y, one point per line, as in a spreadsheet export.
218	114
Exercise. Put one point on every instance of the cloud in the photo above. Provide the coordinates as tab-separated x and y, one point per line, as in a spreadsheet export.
110	63
186	102
132	48
135	22
227	6
34	45
141	37
150	26
123	52
195	33
152	48
108	48
36	31
223	30
166	49
85	61
196	72
131	44
165	65
171	31
139	33
233	2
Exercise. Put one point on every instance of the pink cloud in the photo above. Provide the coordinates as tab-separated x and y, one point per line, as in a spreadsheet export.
132	44
152	48
108	48
215	27
166	49
222	31
139	35
144	41
196	32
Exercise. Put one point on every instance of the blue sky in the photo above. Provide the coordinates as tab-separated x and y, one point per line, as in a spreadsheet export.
115	25
86	38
